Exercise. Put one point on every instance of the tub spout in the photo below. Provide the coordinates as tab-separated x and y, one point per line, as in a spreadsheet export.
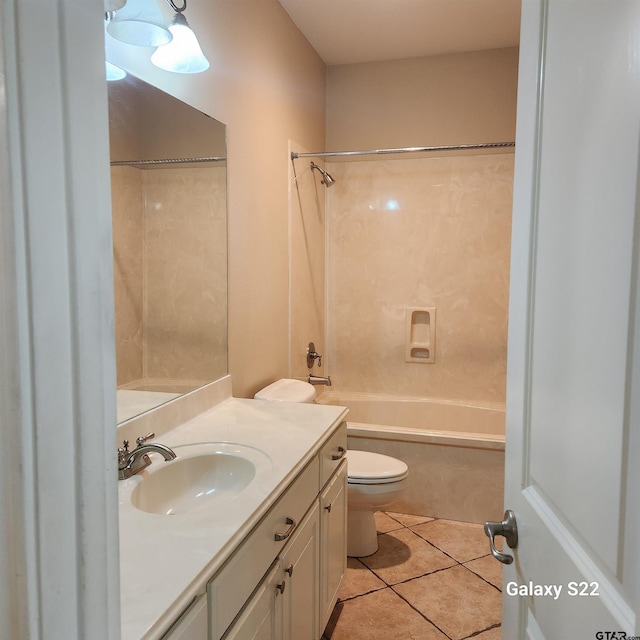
320	380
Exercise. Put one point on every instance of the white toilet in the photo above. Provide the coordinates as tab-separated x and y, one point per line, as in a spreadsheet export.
374	480
288	390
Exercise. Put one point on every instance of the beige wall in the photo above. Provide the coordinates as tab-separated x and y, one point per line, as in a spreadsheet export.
267	85
421	232
441	100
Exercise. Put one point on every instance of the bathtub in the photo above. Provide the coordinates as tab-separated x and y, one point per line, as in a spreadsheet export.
455	450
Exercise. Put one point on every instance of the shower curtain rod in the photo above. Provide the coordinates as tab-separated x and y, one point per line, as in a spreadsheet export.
133	163
457	147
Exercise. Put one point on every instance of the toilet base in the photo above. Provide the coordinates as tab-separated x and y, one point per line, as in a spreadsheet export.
362	537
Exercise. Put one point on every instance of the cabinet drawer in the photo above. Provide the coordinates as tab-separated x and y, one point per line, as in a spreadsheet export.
332	453
233	585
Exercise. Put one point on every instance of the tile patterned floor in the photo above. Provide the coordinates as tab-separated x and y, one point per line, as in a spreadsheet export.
429	580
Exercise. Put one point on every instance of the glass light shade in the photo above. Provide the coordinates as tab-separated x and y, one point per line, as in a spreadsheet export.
113	72
113	5
183	54
140	23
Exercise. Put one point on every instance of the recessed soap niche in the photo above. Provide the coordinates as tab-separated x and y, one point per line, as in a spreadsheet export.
420	335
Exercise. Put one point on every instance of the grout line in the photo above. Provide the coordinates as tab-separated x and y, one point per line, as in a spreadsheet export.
484	555
481	577
391	586
423	575
386	584
365	593
446	635
477	633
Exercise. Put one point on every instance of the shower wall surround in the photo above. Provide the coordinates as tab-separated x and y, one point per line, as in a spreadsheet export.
169	249
425	232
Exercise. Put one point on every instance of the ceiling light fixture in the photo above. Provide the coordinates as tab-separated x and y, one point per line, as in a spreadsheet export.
113	72
183	54
139	23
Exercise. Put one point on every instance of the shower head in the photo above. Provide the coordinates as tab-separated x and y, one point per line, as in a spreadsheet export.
327	180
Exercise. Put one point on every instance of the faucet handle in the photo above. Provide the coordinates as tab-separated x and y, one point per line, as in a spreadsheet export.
123	452
312	356
140	440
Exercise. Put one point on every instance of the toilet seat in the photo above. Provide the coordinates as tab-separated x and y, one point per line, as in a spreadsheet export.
365	467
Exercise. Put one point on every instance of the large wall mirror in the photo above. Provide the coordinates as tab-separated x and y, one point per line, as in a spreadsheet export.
168	184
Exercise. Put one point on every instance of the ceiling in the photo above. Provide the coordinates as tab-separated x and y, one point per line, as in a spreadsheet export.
349	31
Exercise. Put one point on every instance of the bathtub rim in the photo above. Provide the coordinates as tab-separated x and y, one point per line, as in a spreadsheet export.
360	396
467	440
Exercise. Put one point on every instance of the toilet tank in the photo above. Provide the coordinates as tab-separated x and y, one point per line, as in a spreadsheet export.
287	390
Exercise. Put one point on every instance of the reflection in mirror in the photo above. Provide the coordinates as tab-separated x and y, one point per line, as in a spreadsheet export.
168	191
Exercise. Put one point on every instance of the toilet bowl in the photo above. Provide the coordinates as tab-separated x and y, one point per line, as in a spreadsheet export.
374	480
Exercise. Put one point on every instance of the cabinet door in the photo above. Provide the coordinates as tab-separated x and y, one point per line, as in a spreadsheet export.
333	541
300	579
233	585
193	624
260	618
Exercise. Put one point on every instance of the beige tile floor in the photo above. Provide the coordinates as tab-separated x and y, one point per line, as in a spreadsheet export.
429	580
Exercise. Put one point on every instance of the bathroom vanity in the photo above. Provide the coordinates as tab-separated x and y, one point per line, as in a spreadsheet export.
264	556
245	529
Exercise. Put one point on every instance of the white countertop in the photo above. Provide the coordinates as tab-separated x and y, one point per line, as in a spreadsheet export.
165	561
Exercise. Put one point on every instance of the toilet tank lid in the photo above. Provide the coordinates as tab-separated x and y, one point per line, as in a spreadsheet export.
287	390
366	465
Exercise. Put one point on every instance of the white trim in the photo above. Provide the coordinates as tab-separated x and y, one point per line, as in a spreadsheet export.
574	546
16	569
57	476
515	611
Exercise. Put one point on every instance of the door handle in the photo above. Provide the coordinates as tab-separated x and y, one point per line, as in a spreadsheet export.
508	529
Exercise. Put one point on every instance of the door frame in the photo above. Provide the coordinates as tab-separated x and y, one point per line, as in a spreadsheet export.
59	562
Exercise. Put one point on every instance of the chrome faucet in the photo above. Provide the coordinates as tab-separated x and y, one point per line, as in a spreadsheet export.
132	462
320	380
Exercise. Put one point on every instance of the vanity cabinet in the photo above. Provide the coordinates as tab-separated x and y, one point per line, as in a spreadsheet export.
260	619
232	587
193	624
285	604
333	541
296	555
299	586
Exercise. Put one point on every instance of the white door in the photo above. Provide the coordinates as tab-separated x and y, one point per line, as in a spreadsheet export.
573	395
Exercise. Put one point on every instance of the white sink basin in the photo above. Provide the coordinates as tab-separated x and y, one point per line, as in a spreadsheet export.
202	476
